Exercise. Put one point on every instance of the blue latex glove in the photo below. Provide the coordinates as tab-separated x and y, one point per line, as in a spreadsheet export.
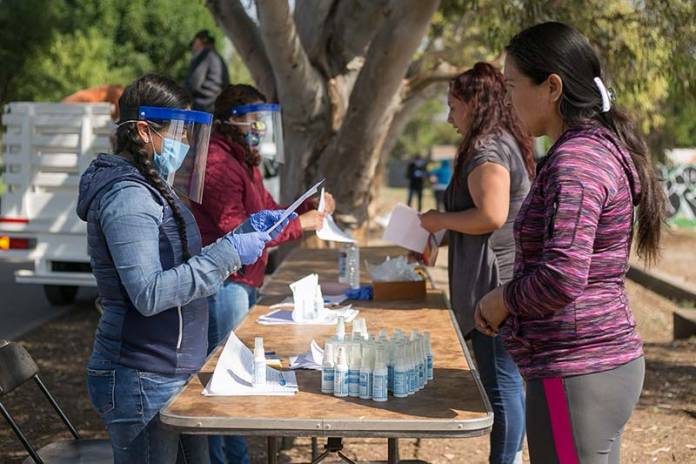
263	220
360	293
249	246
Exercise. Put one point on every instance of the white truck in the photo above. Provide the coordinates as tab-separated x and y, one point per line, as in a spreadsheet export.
46	148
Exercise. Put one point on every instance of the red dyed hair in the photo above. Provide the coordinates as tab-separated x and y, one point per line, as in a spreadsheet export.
483	88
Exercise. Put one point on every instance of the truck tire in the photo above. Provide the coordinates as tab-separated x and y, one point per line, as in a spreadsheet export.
60	295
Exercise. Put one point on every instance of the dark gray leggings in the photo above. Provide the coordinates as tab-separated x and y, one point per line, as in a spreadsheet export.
579	420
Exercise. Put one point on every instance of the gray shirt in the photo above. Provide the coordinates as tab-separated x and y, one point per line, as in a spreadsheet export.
479	263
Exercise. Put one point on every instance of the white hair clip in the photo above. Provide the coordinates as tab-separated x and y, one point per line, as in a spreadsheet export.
606	98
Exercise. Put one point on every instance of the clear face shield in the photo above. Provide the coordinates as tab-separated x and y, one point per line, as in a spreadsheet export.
262	127
184	150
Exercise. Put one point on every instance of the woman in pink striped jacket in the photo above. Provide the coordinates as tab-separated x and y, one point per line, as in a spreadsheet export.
564	317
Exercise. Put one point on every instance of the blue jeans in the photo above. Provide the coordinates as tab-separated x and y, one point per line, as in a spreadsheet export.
128	401
505	389
226	310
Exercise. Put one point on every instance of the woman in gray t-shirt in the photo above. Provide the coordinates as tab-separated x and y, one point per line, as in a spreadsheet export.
491	179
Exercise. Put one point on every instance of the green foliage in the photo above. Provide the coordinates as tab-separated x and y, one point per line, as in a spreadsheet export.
648	50
427	128
83	43
239	73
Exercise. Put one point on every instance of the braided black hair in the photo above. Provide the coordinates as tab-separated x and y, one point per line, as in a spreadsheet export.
151	90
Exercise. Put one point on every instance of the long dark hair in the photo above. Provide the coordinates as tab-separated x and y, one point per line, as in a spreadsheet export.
483	88
556	48
236	95
150	90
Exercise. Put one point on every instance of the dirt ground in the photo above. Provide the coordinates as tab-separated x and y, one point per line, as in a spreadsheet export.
678	255
662	429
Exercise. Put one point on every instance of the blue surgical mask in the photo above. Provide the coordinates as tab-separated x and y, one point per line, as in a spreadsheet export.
171	157
252	138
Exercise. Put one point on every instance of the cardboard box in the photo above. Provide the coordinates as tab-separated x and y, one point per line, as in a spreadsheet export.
407	290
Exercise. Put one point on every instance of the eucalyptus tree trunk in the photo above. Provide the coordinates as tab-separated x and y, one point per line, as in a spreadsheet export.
345	75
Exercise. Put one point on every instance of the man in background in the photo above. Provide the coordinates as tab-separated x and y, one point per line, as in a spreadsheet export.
416	174
207	75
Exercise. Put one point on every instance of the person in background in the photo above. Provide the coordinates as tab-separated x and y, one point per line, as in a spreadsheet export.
440	179
233	192
207	74
153	274
492	175
416	173
564	316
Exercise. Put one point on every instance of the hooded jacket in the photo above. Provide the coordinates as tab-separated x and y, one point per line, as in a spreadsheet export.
568	306
155	314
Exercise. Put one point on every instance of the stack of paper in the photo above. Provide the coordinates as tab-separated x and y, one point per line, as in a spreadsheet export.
312	359
283	314
329	300
234	373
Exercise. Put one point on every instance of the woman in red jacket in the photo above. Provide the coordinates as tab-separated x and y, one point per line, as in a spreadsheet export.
233	191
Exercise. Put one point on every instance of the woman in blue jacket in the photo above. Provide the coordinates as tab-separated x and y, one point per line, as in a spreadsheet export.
152	274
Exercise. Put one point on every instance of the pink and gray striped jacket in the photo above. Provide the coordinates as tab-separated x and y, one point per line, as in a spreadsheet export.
569	311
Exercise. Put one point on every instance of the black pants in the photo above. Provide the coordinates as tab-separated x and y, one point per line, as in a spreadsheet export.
417	191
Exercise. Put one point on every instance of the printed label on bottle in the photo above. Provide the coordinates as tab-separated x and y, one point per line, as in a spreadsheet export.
379	388
327	380
340	384
400	383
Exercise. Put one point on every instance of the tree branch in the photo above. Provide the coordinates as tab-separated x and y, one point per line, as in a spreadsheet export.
300	87
311	22
372	102
238	26
443	72
353	25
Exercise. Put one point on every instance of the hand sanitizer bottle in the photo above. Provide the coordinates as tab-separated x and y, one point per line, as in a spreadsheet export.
354	370
411	369
259	362
341	329
318	307
341	374
356	331
391	363
400	373
379	377
366	368
422	375
429	356
328	369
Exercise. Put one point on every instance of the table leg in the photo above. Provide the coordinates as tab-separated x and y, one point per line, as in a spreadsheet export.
393	450
315	448
272	450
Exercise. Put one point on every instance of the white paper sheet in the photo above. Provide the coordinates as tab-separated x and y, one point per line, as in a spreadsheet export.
304	296
329	300
404	229
234	372
330	231
290	209
282	315
311	359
